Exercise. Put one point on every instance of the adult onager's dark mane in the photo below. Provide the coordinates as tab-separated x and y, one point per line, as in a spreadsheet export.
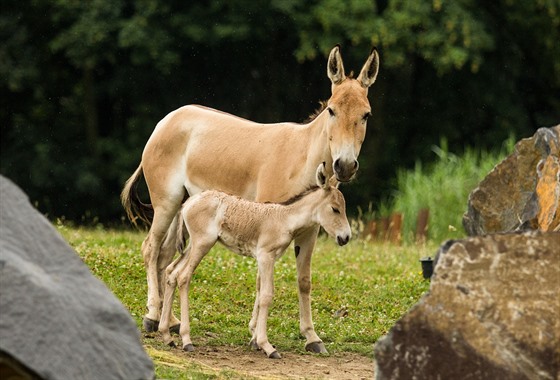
322	106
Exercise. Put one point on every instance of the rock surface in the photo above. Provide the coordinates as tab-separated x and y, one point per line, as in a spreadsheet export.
57	321
492	312
521	192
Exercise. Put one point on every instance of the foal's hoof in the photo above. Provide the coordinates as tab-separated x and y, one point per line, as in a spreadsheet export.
172	344
175	328
188	347
316	347
150	325
274	355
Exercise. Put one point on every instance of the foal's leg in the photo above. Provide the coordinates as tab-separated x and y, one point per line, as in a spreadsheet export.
165	257
198	250
172	272
266	271
151	247
304	246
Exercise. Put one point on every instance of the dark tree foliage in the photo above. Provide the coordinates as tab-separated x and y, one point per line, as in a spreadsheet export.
83	83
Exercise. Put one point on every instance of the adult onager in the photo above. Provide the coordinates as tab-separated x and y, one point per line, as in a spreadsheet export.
195	148
260	230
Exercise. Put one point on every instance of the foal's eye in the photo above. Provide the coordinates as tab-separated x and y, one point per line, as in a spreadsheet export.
335	210
331	112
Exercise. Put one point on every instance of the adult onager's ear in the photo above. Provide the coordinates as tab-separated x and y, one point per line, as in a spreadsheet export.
369	71
321	176
335	68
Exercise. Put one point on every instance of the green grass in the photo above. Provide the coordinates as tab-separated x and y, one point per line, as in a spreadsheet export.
376	283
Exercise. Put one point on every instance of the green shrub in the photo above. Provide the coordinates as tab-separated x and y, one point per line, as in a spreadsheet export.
443	187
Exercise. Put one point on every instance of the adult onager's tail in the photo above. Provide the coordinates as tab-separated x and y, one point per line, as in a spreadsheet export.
134	207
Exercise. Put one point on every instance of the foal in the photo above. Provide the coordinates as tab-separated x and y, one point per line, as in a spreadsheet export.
259	230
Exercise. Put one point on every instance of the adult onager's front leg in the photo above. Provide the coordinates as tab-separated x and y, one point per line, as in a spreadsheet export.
304	245
254	315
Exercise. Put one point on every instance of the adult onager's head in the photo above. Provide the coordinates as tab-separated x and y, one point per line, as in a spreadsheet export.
260	230
195	148
349	110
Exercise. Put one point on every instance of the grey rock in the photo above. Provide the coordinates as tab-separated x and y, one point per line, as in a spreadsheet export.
492	312
57	321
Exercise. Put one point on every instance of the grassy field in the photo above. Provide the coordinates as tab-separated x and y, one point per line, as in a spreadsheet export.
376	283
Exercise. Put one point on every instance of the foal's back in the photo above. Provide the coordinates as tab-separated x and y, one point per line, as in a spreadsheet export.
237	223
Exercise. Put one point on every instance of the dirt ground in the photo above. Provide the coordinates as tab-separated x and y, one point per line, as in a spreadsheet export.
251	364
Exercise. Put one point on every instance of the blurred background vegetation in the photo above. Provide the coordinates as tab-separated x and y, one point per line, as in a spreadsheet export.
83	83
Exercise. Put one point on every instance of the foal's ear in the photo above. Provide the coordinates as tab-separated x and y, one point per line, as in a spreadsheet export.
333	181
369	71
321	176
335	68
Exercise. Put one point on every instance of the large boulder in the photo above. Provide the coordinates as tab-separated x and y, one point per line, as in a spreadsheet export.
492	312
522	192
57	321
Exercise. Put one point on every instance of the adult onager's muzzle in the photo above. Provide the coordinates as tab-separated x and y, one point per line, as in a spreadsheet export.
342	240
345	170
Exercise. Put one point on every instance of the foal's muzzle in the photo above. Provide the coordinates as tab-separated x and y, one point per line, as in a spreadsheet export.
345	170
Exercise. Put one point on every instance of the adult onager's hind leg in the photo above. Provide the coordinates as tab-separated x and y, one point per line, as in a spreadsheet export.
304	245
151	249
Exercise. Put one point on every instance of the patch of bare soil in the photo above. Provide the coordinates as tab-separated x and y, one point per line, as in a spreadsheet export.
254	364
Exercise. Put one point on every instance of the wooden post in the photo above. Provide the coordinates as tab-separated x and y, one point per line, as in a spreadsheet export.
373	229
395	228
422	225
384	229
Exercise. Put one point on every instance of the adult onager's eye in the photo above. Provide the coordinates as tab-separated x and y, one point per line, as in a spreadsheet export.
335	210
367	115
331	112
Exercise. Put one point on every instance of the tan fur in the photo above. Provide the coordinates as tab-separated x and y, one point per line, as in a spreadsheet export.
261	230
196	148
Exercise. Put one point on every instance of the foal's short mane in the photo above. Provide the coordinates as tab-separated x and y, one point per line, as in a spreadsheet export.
297	197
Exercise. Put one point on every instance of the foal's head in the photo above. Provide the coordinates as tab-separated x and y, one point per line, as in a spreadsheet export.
348	110
331	212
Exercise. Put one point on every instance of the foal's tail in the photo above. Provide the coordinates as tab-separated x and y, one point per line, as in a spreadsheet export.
134	207
182	234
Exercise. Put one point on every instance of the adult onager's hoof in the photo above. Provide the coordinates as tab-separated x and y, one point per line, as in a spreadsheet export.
274	355
172	344
253	344
188	347
150	325
316	347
